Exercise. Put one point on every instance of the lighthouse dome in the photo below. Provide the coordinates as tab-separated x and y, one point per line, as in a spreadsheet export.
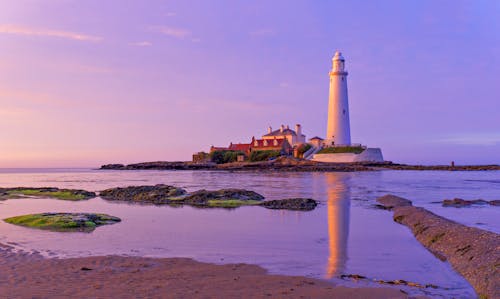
338	56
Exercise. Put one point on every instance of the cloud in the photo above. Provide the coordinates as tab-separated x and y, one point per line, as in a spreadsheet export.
178	33
29	31
174	32
141	44
263	32
473	139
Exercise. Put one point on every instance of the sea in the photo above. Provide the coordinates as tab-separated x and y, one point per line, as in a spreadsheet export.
346	234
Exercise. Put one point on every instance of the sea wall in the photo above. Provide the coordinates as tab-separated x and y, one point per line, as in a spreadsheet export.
473	252
369	154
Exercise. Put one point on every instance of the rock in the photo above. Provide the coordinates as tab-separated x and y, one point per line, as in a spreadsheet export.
460	203
223	198
63	221
389	202
157	194
63	194
113	166
294	204
472	252
202	197
495	202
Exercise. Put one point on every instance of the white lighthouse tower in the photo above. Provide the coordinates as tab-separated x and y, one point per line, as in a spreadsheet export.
338	131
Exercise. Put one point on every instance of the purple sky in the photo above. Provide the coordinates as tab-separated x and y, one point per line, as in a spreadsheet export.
89	82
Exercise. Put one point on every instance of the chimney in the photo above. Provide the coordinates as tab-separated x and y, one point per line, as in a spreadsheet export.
282	128
287	127
269	130
298	130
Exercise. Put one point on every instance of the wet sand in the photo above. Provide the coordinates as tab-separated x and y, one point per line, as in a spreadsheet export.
25	275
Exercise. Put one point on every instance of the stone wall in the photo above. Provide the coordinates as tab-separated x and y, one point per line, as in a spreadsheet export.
369	154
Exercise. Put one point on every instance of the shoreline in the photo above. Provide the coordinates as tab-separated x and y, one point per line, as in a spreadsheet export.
293	165
31	275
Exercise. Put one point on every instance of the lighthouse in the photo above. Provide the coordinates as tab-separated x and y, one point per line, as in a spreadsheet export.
338	130
337	146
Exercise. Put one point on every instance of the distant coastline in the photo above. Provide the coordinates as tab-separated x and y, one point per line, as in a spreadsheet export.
292	164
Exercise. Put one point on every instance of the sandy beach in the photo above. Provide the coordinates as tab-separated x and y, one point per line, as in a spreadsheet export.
25	275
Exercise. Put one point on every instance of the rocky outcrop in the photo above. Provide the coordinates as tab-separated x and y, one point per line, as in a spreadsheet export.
473	252
63	194
223	198
389	202
63	221
279	164
202	197
160	165
460	203
158	194
293	204
396	166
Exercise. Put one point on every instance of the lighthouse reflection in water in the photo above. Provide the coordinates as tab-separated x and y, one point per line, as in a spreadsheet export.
338	206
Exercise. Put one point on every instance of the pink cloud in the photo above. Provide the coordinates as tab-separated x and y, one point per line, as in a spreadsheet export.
174	32
30	31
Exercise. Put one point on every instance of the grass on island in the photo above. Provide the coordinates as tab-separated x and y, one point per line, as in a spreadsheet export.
231	203
63	195
342	149
177	198
63	221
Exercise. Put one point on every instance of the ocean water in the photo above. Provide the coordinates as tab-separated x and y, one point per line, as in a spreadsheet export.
345	234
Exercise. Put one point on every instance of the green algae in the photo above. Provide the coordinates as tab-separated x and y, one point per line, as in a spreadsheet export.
63	221
62	194
231	203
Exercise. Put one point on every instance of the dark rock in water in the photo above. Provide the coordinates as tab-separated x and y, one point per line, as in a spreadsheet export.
495	202
223	198
297	204
158	194
202	197
113	166
389	202
460	203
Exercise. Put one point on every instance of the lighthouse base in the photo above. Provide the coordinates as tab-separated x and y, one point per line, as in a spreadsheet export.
368	155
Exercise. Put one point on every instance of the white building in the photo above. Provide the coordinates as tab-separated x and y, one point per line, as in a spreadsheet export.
293	137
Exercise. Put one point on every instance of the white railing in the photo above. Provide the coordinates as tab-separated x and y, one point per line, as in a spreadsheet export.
311	152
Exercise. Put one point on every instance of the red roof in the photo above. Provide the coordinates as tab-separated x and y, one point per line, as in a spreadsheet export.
218	148
242	147
278	143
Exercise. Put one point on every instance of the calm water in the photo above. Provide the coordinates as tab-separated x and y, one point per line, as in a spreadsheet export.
344	235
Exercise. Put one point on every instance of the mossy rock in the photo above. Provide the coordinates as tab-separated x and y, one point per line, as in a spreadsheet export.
61	222
293	204
231	203
157	194
52	192
231	196
223	198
